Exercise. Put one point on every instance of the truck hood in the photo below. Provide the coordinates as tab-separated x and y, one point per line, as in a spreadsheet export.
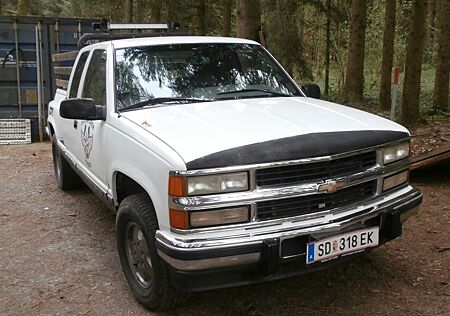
245	131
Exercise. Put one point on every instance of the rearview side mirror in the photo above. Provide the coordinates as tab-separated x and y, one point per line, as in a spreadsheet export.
311	90
81	109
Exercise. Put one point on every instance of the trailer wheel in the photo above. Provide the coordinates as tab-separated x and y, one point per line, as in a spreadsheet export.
146	273
65	176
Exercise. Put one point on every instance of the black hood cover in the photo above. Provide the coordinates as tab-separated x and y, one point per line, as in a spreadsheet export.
296	147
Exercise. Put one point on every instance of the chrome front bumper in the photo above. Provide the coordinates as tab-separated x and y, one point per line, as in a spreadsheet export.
243	246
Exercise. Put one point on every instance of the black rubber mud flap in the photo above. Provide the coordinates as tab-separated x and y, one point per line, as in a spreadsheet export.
391	225
270	256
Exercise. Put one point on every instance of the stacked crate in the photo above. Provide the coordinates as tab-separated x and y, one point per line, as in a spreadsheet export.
15	131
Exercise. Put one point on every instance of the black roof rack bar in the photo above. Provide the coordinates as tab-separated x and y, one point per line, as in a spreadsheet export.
92	38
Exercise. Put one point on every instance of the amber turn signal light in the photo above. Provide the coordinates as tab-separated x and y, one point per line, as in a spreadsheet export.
177	186
179	219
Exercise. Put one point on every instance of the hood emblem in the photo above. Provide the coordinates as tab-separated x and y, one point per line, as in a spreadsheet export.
331	186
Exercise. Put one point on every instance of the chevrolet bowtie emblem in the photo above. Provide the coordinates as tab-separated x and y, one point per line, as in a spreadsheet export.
331	186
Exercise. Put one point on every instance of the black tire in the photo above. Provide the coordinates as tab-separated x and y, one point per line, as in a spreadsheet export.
66	177
147	276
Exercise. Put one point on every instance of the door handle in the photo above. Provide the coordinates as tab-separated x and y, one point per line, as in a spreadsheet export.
75	124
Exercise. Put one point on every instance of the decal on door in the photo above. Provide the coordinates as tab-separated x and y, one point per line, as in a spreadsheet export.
87	140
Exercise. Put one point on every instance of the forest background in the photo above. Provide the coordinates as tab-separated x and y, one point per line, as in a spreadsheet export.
348	47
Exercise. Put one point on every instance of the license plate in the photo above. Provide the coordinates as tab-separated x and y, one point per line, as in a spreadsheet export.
333	247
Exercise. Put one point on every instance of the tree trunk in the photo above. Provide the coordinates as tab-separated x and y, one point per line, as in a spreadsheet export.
354	78
226	17
129	11
430	27
327	48
155	11
248	21
413	64
201	17
441	82
76	9
388	54
140	11
23	7
172	12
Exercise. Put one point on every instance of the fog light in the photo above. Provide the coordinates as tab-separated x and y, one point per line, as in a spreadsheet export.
395	180
219	217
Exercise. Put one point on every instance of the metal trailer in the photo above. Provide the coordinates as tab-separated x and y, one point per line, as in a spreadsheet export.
27	86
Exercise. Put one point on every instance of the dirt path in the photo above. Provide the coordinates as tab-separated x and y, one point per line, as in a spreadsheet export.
58	256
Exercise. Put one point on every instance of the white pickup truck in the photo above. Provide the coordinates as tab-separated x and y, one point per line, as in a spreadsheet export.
222	170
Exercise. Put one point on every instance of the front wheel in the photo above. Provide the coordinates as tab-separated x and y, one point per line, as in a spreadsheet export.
145	271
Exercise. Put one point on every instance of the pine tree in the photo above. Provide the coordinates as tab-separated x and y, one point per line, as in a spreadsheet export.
354	78
441	82
248	22
388	54
155	11
129	11
226	17
23	7
200	8
413	64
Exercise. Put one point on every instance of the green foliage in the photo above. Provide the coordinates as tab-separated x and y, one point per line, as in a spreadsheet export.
373	47
401	32
284	36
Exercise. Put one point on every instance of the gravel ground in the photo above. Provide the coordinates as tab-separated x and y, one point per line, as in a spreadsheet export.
58	256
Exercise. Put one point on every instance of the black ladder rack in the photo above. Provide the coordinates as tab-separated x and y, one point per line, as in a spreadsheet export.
105	31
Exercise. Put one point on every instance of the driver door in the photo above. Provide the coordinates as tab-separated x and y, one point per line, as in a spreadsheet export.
90	135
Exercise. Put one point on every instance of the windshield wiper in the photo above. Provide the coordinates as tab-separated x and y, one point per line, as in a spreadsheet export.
267	92
161	100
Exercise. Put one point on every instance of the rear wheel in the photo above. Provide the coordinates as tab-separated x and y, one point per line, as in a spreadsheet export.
65	176
146	273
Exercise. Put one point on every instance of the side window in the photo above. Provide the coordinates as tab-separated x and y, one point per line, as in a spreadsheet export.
77	75
95	80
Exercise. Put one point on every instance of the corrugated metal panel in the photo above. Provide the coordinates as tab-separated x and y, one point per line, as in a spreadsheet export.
57	35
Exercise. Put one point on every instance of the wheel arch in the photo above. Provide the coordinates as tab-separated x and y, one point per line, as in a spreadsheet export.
125	185
51	129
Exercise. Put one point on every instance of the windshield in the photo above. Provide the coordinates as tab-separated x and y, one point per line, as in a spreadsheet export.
195	72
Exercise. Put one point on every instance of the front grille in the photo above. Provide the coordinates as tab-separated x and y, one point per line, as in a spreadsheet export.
315	171
314	203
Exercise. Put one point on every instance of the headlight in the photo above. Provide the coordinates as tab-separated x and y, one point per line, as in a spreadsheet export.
395	152
222	183
211	184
